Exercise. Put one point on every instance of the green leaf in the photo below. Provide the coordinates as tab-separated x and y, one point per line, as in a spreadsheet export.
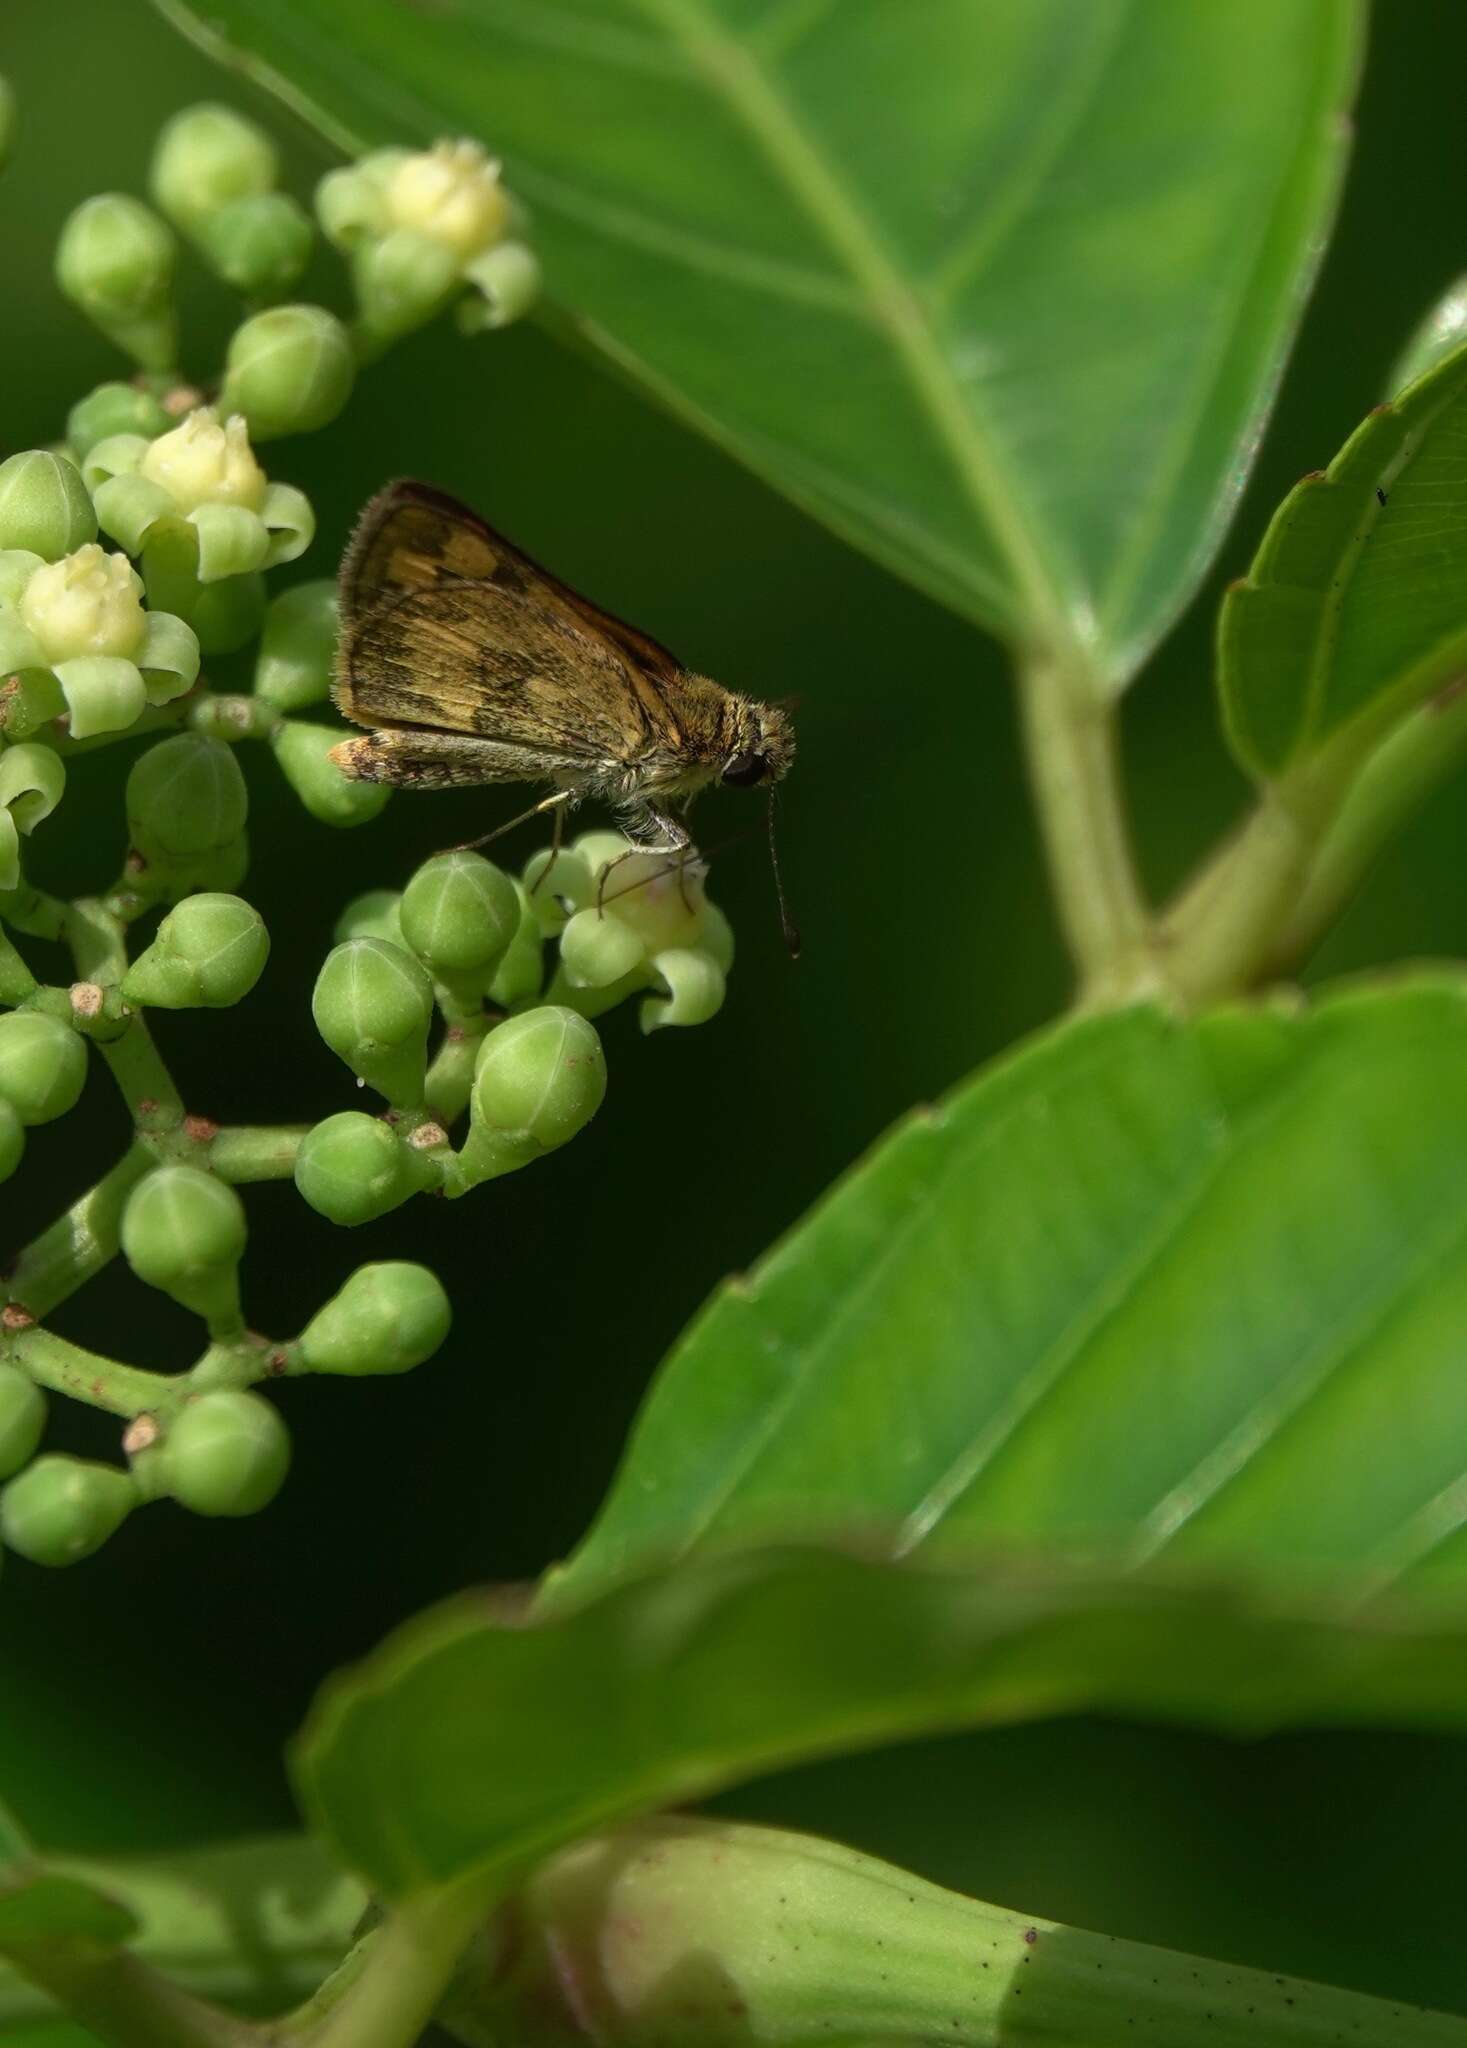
1000	292
1191	1293
1159	1323
40	1904
472	1746
1355	608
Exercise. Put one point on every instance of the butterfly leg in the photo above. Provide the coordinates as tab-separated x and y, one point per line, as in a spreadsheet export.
654	831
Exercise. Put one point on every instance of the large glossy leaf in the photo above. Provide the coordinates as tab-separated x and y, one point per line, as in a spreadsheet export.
1356	606
1189	1292
1145	1351
999	291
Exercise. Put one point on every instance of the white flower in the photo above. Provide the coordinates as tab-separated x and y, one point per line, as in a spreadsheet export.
89	602
203	463
452	194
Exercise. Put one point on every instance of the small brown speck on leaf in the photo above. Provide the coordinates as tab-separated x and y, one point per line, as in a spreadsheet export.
16	1316
202	1129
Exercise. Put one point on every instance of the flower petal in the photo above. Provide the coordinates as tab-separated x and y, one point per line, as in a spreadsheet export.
116	455
9	852
32	780
103	693
291	522
17	566
232	541
128	507
168	657
19	647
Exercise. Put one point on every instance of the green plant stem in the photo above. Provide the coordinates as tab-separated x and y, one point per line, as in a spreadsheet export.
1420	755
138	1069
78	1244
126	2003
660	1931
410	1962
1070	743
98	941
249	1152
88	1376
16	980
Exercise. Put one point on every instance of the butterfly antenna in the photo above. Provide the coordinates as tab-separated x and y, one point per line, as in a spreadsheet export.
786	923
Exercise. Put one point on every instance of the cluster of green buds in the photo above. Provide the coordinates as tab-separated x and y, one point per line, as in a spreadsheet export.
424	228
98	643
215	175
464	944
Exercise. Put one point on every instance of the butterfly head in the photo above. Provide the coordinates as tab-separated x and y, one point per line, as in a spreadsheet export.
762	746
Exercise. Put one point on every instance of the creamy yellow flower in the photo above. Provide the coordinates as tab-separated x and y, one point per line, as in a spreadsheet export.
204	463
452	194
89	602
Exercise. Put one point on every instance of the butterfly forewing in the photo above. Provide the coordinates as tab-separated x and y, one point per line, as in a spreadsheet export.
446	625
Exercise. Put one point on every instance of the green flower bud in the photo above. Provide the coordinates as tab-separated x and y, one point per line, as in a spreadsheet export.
372	915
521	972
113	409
205	158
22	1419
183	1231
596	950
115	263
694	983
260	245
506	283
459	913
351	201
540	1078
558	884
62	1509
12	1138
352	1169
298	647
44	505
657	896
387	1318
43	1065
402	281
372	1004
208	953
185	797
226	1453
288	371
304	753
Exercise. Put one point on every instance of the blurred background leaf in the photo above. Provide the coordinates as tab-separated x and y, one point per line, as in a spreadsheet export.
522	1739
147	1697
999	293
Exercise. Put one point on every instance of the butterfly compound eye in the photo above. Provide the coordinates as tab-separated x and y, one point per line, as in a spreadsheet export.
744	770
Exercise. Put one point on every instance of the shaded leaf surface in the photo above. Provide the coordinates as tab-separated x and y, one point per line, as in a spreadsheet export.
999	292
472	1745
1356	606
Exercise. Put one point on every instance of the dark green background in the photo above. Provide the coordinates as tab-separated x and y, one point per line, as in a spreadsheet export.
144	1697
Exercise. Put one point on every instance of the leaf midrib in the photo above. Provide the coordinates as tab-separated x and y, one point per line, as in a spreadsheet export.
733	72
